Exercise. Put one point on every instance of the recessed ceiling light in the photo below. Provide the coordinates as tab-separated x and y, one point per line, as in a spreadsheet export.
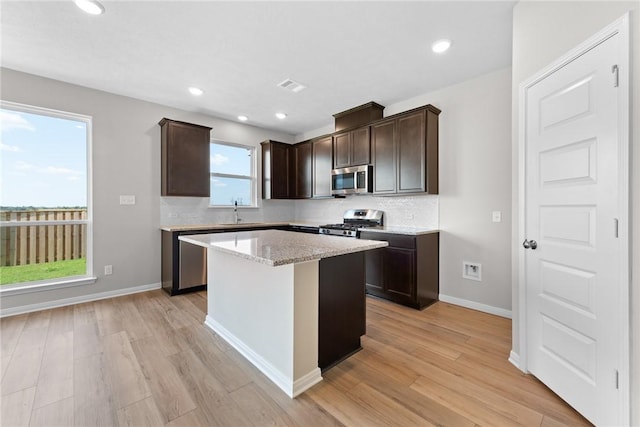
243	118
281	116
441	45
92	7
196	91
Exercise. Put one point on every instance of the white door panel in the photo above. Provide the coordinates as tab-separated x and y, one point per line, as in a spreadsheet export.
572	277
569	164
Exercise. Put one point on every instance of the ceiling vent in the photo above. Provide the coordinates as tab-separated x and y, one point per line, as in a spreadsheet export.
292	86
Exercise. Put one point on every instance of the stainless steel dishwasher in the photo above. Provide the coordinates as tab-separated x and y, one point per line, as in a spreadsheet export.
184	265
193	266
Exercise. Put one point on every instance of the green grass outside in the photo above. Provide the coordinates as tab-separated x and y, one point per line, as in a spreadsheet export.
44	271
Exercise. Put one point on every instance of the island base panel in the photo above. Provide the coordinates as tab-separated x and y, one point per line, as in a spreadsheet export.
269	314
342	311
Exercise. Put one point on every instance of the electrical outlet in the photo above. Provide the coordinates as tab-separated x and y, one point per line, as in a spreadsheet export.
496	216
472	271
173	215
108	270
128	200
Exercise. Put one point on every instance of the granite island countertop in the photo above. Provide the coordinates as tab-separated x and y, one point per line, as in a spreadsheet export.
278	247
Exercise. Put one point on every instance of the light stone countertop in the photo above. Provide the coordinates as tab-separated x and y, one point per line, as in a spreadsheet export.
410	231
277	247
198	227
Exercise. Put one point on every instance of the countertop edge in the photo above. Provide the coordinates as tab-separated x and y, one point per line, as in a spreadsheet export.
409	231
202	227
401	230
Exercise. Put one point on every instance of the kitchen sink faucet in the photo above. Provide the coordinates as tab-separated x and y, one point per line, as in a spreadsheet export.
235	212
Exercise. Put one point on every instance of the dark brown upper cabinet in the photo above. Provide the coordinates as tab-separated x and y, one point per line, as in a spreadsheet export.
358	116
322	156
411	150
275	170
185	159
405	152
301	170
383	153
403	149
352	148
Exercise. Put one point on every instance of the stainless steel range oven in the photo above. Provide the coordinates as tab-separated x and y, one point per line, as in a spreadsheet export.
353	221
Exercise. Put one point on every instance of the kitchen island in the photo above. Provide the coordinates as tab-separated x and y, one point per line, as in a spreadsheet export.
291	303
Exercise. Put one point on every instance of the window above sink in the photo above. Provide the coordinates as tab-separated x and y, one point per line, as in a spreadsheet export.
233	175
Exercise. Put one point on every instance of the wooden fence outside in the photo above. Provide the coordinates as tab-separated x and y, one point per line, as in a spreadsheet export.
24	244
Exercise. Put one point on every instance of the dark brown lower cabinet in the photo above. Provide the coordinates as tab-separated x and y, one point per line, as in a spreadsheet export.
341	307
406	271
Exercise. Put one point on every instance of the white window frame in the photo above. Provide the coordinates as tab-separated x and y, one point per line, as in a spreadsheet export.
68	281
252	178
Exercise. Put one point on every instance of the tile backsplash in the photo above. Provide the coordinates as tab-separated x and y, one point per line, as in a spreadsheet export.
402	211
196	210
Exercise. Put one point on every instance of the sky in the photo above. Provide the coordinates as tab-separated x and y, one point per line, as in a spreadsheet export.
43	160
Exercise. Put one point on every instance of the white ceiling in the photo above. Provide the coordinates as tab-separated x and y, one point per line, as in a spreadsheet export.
346	53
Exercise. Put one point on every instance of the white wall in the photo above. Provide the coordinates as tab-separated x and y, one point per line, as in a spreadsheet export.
126	160
475	179
542	32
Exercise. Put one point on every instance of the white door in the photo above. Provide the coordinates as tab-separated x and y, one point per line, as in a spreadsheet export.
572	204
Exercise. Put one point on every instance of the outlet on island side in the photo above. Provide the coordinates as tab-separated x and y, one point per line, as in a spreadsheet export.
108	270
472	271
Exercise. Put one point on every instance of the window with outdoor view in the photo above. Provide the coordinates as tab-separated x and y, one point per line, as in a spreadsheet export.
45	218
233	174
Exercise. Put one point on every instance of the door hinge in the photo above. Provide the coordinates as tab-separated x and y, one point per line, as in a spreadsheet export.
615	227
617	380
614	70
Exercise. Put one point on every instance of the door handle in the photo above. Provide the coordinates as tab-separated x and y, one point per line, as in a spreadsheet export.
529	244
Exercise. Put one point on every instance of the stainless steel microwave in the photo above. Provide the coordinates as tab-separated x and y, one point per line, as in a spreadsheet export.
352	180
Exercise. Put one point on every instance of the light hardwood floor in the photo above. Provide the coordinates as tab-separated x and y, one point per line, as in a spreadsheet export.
147	359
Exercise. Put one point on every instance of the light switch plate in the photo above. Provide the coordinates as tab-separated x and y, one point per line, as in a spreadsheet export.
128	200
497	216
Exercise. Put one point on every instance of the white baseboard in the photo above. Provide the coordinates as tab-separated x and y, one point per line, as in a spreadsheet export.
514	358
306	382
12	311
476	306
286	384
